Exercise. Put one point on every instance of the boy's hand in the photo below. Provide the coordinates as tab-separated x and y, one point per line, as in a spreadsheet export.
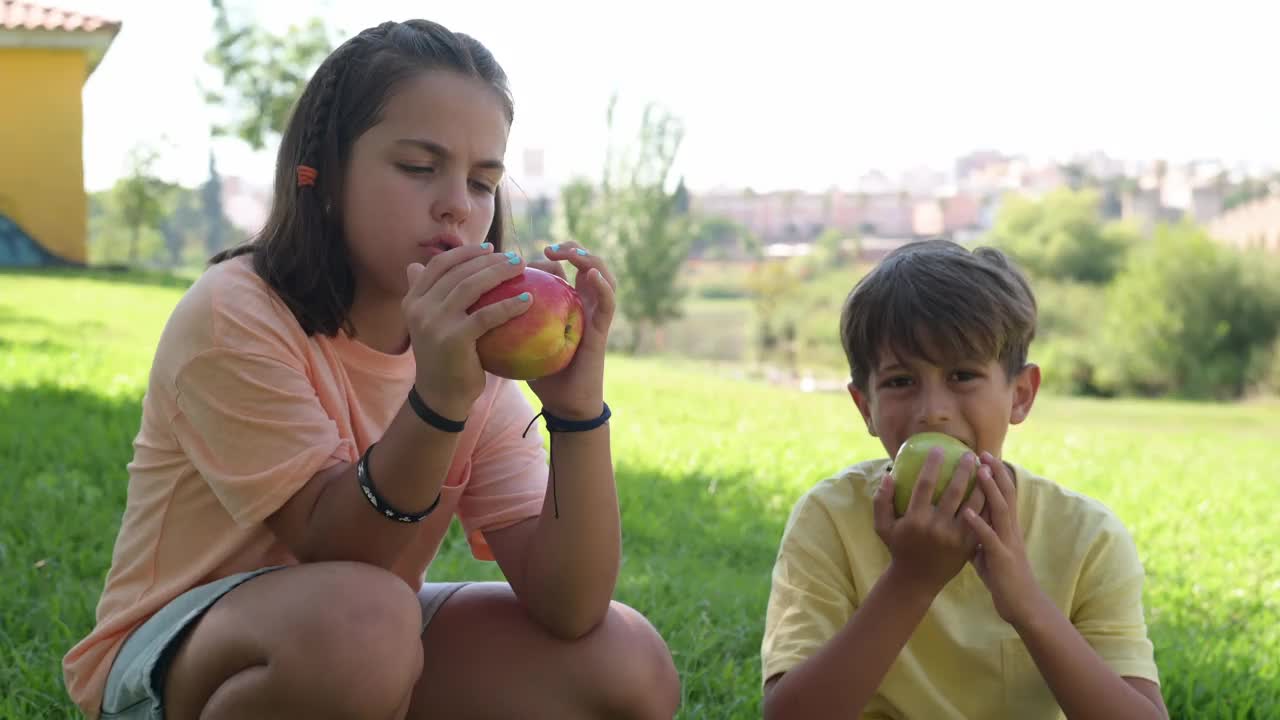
929	544
1001	558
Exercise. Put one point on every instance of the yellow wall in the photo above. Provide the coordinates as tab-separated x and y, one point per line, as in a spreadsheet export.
41	158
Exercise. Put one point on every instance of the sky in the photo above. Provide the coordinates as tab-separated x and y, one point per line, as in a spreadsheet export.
802	94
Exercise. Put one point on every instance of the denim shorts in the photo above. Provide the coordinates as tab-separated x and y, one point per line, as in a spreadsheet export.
136	681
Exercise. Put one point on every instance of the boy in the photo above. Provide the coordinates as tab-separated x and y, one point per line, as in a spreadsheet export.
1025	601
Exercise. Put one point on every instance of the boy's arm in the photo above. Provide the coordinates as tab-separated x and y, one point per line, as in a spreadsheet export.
840	679
928	545
1081	681
1083	684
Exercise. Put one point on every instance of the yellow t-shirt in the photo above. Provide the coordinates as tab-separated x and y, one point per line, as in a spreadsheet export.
962	661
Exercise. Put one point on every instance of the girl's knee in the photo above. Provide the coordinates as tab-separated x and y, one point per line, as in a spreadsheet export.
639	676
362	640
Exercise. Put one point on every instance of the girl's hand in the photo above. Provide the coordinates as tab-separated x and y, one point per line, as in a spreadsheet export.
442	334
577	392
1001	557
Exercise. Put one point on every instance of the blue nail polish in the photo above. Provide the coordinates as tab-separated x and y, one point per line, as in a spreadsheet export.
583	252
555	248
525	297
485	245
513	258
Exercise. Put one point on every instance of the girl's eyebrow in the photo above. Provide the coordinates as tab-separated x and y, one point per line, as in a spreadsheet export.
443	152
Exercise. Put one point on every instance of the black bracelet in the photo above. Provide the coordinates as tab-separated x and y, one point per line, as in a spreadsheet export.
430	416
377	501
560	425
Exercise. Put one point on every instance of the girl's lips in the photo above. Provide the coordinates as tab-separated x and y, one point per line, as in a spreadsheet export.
438	244
447	241
428	251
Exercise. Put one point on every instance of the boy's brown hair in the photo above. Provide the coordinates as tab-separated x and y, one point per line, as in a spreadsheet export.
937	301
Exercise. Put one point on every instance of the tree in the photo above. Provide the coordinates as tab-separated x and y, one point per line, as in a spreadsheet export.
187	229
175	226
579	218
140	197
716	236
775	287
637	220
834	249
1062	236
1187	316
262	74
215	219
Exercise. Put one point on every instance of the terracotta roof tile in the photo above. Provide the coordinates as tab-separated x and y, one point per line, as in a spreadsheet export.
16	15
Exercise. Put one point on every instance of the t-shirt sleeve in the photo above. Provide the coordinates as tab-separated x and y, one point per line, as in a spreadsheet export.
254	428
1108	610
508	472
812	594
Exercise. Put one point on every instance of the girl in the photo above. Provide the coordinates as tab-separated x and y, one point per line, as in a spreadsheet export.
316	414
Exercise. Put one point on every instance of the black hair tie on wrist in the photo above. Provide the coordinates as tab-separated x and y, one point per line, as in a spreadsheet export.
560	425
431	417
378	502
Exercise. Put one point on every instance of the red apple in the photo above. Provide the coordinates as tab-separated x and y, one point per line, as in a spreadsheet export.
541	340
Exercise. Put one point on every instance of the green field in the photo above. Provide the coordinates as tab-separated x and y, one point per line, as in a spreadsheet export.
707	467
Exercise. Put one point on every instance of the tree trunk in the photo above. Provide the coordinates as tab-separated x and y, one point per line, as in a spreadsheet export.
637	335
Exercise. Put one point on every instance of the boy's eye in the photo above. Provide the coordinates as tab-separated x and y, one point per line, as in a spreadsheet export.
896	381
965	375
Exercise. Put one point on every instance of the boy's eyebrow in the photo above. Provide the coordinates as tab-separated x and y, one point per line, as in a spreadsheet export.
443	152
891	367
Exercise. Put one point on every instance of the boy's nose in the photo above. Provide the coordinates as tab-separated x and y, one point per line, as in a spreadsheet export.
935	410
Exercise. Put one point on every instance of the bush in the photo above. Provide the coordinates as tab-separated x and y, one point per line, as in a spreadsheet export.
1187	317
1264	369
719	291
1062	236
1067	309
1068	366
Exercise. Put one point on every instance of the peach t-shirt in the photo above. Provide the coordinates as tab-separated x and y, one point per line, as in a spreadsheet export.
242	408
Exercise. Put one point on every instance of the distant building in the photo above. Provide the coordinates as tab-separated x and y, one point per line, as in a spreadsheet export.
46	55
791	218
782	217
1255	225
245	204
961	212
1206	203
1171	194
979	163
927	219
888	214
874	249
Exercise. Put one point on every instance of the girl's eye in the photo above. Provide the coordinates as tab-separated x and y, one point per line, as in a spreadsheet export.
482	187
417	169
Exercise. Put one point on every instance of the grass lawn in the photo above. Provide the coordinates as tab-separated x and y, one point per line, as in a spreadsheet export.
708	468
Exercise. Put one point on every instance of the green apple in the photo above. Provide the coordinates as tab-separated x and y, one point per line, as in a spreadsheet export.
910	460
